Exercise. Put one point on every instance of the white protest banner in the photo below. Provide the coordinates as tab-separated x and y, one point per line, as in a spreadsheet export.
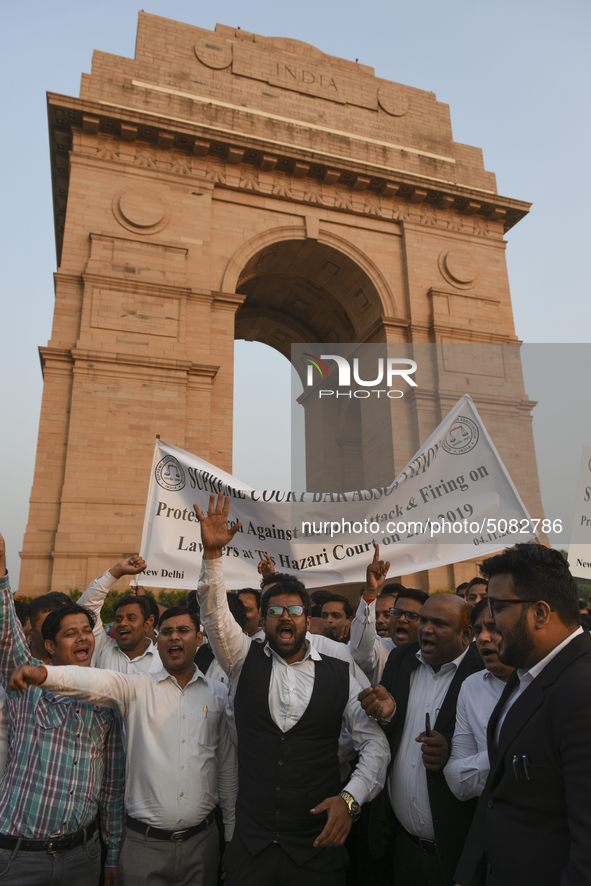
453	501
579	551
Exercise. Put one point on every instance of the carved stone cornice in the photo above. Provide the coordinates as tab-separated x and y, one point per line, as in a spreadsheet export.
197	139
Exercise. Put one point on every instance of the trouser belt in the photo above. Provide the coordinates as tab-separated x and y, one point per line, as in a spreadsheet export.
53	844
173	836
426	845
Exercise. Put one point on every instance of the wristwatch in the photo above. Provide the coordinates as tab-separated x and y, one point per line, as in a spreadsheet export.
354	807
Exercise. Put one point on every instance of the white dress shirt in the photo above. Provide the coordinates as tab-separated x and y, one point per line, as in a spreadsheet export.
368	649
291	685
106	651
407	783
468	765
527	677
180	759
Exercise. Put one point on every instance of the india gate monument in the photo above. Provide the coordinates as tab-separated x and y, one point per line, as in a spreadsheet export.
224	185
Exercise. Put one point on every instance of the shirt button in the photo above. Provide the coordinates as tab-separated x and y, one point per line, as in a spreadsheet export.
183	740
184	718
181	795
490	804
278	788
182	767
413	765
282	738
281	762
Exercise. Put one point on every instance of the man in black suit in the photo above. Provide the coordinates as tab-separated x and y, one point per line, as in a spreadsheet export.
534	819
422	679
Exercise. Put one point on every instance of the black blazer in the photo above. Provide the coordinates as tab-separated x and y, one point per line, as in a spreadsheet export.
451	817
533	823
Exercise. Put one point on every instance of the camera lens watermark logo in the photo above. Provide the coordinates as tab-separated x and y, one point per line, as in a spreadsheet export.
169	474
462	437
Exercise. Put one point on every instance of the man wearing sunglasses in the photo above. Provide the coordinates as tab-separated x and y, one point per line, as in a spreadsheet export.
289	705
533	819
368	647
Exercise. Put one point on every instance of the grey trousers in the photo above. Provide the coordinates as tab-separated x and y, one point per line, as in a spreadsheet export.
77	867
144	861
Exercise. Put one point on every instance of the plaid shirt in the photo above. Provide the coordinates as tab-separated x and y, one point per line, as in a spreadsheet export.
65	757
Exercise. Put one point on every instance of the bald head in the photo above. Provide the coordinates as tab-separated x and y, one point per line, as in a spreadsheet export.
444	629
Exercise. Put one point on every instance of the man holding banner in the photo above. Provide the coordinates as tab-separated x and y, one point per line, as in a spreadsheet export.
299	717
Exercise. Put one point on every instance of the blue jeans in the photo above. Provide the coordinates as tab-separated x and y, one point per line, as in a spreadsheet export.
76	867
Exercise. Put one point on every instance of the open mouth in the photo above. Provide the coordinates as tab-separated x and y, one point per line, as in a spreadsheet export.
123	633
82	653
487	654
175	651
401	632
427	645
285	633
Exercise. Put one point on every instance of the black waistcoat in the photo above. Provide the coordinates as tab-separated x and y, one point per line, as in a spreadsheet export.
282	775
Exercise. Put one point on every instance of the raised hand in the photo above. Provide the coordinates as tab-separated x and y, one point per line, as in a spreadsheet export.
265	566
130	566
377	702
375	576
215	532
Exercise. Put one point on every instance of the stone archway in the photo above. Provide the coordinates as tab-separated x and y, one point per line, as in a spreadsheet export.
224	183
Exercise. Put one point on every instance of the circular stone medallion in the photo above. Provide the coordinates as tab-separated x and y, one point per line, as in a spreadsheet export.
141	209
216	54
458	268
395	105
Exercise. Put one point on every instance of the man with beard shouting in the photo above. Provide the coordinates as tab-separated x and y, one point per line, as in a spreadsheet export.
533	821
289	705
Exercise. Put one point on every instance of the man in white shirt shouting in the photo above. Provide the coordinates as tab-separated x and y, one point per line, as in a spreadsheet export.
289	705
180	758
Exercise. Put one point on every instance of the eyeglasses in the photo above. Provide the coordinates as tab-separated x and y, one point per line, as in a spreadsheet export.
183	630
410	616
495	604
278	611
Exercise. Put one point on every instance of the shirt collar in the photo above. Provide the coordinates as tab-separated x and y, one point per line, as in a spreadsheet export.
149	650
163	674
310	653
448	666
537	669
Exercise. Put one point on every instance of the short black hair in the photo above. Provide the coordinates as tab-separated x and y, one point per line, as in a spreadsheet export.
477	610
293	586
338	598
59	597
274	577
51	625
413	594
256	594
237	608
476	581
320	596
193	601
153	606
129	599
173	611
393	588
46	603
22	611
582	603
462	586
538	573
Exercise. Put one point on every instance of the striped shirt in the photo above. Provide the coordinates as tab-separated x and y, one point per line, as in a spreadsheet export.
65	757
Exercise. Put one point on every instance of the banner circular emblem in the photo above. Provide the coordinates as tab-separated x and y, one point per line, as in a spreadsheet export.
462	436
169	474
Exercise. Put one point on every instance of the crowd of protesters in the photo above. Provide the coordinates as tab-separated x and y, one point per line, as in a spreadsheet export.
270	737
